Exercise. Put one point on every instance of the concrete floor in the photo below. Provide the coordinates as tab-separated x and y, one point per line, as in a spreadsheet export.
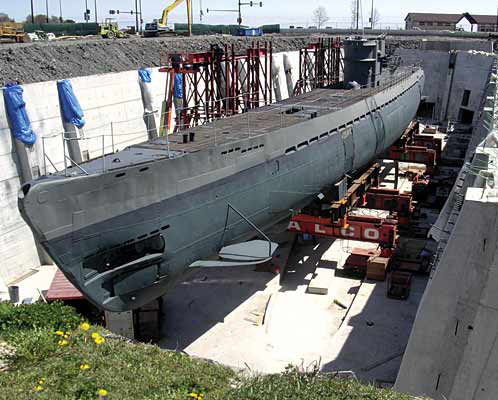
244	318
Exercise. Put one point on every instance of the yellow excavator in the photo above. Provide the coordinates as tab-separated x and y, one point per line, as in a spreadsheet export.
157	28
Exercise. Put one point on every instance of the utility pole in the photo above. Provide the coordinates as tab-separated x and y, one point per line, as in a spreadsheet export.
357	14
86	11
141	19
95	6
136	14
239	20
239	10
46	6
372	16
60	12
32	13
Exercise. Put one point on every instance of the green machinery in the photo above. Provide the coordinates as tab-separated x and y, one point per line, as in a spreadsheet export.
109	30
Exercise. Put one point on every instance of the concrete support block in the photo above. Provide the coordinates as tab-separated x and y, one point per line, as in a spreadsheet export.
322	279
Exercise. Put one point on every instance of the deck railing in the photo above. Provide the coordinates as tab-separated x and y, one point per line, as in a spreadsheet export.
213	135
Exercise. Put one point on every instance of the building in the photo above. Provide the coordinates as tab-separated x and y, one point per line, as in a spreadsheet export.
483	23
432	22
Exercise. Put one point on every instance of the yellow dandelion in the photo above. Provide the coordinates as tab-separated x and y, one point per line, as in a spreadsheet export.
38	388
201	395
99	340
41	382
84	367
194	395
62	342
59	333
102	392
85	326
95	335
66	336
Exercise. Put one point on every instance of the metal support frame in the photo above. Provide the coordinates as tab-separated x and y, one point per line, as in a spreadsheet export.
416	147
355	195
363	228
391	200
319	65
230	207
213	85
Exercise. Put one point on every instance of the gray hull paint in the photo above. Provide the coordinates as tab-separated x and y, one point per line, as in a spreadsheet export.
263	186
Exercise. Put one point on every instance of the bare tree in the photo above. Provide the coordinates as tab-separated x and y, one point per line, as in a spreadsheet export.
320	16
375	18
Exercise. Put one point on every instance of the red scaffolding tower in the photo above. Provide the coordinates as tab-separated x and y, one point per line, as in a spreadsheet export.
217	83
319	65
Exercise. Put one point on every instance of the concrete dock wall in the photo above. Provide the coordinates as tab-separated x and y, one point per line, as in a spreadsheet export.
452	353
453	350
113	107
445	84
17	248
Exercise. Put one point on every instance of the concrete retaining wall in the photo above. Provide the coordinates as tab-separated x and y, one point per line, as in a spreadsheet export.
452	353
17	248
442	83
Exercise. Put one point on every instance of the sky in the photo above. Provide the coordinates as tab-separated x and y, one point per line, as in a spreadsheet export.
284	12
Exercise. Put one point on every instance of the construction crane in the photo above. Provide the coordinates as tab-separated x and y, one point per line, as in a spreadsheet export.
157	27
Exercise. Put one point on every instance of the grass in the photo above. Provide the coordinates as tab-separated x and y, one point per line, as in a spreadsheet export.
69	364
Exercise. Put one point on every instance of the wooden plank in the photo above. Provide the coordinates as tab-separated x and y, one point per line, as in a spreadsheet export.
62	289
322	278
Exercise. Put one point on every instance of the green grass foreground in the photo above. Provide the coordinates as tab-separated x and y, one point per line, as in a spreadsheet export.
67	359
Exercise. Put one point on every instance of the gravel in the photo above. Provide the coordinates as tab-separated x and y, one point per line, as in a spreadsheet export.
45	61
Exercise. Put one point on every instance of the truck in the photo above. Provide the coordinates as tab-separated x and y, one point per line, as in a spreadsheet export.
12	31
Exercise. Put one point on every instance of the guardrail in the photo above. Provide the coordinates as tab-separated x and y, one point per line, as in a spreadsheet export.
323	103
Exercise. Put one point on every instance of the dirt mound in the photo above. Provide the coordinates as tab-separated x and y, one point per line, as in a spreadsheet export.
38	62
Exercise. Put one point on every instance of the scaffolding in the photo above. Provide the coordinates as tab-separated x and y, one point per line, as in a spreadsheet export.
319	65
216	84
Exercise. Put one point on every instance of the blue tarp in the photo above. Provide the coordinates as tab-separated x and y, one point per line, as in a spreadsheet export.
144	74
70	106
18	117
178	86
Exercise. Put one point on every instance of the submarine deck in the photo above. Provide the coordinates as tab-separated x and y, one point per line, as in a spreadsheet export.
256	122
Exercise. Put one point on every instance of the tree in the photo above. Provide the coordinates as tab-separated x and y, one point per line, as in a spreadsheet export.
42	19
320	16
5	18
375	18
